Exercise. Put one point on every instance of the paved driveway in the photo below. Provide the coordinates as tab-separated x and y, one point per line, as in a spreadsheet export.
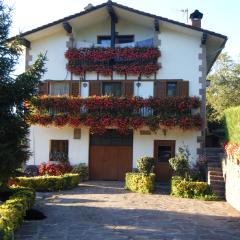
104	210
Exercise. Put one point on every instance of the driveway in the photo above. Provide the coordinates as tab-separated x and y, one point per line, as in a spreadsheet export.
104	211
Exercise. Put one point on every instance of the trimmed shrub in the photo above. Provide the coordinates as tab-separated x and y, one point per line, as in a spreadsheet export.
138	182
53	169
232	124
82	170
145	165
14	210
50	183
181	162
191	189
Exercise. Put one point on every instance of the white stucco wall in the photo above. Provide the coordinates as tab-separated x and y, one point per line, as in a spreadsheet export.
144	144
180	58
40	144
54	47
231	171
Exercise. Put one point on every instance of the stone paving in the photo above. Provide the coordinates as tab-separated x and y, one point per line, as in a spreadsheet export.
104	211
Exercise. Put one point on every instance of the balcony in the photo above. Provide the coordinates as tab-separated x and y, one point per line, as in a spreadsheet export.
100	113
134	58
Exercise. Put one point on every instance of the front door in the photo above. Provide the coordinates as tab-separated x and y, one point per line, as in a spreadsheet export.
163	150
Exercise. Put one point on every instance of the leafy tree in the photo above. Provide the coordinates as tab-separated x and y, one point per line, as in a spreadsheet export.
224	88
13	93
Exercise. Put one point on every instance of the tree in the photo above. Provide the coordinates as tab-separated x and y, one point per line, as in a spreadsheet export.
224	88
14	91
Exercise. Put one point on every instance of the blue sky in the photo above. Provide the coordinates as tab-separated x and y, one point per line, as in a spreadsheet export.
219	15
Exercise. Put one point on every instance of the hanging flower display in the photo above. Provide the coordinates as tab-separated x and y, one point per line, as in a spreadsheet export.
132	61
123	114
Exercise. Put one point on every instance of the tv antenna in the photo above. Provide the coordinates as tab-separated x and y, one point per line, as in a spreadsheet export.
184	12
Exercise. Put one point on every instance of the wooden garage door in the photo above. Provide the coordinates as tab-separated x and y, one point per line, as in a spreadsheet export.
110	156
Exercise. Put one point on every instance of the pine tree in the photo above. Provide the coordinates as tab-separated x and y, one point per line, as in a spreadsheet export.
14	91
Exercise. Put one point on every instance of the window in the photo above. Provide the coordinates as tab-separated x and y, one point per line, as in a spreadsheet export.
112	89
59	88
58	150
171	89
106	40
164	153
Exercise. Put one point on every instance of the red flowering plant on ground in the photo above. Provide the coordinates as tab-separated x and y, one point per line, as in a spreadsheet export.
133	61
53	169
124	113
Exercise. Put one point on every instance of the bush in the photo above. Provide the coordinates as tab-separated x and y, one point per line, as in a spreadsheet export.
138	182
191	189
31	171
82	170
14	210
145	165
50	183
181	162
232	124
53	169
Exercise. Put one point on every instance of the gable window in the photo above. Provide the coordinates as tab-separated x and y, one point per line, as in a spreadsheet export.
59	88
171	89
106	40
112	89
58	150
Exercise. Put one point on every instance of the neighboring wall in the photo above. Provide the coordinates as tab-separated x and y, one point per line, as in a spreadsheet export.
231	171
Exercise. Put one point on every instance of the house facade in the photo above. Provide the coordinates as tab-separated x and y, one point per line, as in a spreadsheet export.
120	84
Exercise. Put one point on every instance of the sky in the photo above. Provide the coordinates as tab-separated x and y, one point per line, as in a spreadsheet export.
219	15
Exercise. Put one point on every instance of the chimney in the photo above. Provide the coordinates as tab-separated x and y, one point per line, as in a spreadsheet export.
88	7
196	18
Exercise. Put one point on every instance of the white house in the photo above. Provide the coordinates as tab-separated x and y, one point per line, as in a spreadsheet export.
111	49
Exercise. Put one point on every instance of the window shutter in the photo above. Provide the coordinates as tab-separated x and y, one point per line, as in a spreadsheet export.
44	88
95	88
160	88
128	88
183	88
75	88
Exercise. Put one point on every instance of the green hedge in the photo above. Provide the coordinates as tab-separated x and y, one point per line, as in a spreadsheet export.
191	189
138	182
50	183
232	124
13	211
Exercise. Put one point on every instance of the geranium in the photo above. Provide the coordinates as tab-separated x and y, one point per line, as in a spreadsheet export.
101	113
133	61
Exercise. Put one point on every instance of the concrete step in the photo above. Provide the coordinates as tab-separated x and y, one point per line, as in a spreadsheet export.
214	169
210	150
217	183
214	164
214	177
218	187
216	173
220	194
